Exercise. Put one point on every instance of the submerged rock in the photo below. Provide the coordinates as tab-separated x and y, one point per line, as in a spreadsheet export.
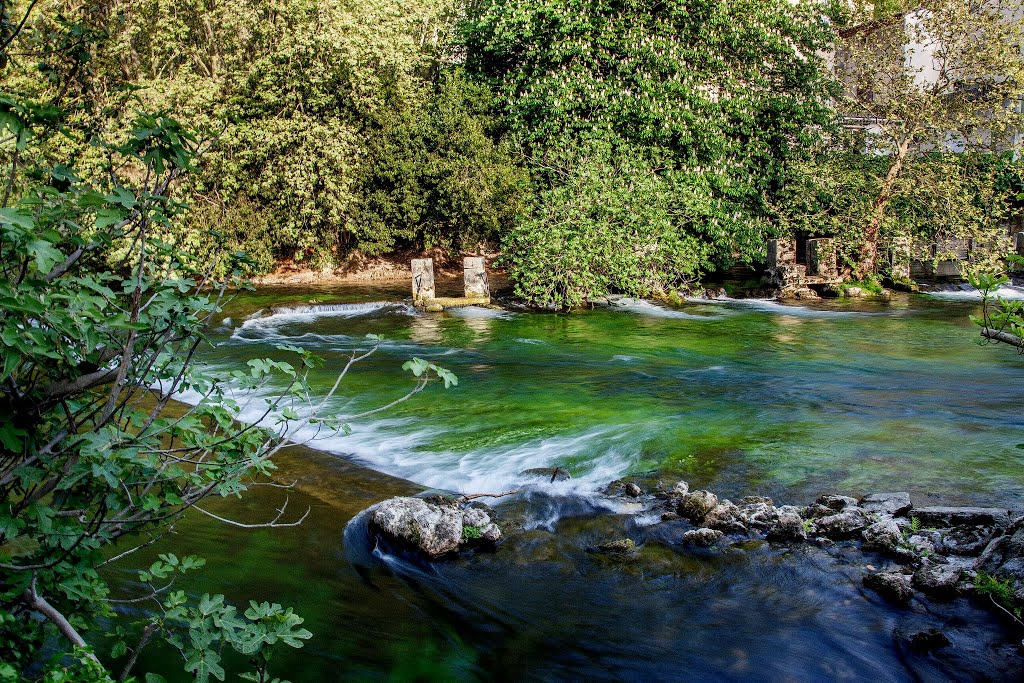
890	504
703	538
622	546
890	585
926	641
552	474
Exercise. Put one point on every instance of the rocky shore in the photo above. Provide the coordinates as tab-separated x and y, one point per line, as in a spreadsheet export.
931	553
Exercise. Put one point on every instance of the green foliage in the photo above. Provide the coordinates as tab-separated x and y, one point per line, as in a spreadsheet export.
432	175
1002	320
697	105
100	318
471	532
1001	591
609	224
938	197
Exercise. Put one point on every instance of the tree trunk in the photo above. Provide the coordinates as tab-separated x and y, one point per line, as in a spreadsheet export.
869	248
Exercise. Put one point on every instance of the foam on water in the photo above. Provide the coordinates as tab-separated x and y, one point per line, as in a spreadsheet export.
481	312
773	306
401	447
259	326
643	307
970	293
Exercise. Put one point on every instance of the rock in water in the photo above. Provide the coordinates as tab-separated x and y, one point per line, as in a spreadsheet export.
434	529
836	503
788	527
704	538
623	546
477	524
759	514
938	579
726	517
945	517
890	585
929	640
842	524
694	506
552	474
891	504
884	536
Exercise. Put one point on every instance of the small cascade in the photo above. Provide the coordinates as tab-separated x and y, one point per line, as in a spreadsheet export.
341	309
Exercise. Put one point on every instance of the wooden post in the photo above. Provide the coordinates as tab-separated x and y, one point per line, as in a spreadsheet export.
422	279
475	278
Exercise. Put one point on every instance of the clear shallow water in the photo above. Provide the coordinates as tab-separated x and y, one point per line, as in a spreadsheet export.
739	397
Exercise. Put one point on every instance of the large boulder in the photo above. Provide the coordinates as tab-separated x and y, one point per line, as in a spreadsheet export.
886	504
433	528
946	517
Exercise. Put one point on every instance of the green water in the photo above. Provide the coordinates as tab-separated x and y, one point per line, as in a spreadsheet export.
740	398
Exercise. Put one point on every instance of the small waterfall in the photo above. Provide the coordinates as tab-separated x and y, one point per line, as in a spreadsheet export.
340	309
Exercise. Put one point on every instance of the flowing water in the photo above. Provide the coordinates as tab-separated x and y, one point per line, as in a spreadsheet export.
740	397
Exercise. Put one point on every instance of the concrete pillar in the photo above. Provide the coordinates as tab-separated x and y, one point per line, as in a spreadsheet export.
422	279
475	277
781	253
821	258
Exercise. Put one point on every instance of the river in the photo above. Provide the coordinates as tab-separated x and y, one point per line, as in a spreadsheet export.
740	397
